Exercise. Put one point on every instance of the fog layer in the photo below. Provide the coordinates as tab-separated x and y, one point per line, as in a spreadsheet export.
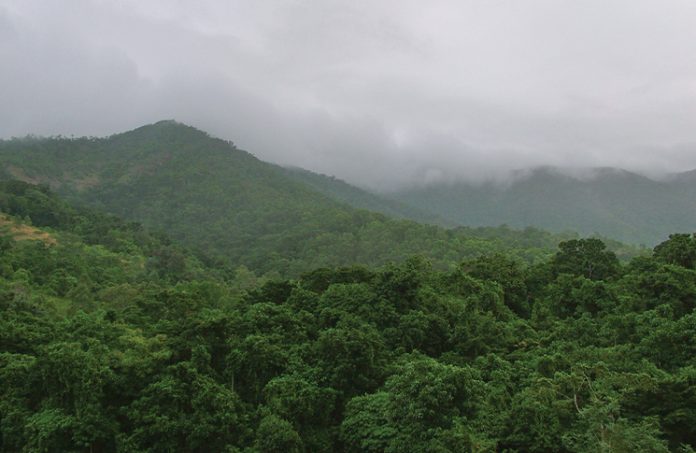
381	94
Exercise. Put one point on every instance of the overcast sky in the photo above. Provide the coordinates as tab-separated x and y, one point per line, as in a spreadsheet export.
379	93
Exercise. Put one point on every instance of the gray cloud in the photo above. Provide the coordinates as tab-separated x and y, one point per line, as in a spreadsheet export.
379	93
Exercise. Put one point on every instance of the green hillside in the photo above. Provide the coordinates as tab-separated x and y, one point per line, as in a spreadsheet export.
613	203
337	189
209	195
114	339
34	215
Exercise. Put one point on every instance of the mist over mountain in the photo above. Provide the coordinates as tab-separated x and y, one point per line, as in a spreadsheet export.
608	201
380	94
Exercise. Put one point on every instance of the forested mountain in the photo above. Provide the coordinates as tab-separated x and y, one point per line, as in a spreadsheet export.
210	195
114	339
611	202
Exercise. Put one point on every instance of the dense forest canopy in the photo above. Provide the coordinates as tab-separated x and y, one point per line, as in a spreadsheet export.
113	338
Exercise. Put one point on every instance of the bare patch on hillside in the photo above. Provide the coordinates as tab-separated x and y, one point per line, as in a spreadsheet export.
20	174
85	182
23	232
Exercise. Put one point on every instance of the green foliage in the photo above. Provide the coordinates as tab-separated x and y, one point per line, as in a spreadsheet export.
680	249
423	406
123	341
236	210
585	257
276	435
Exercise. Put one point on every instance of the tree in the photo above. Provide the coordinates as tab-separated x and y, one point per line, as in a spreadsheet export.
184	410
276	435
508	273
585	257
422	408
679	249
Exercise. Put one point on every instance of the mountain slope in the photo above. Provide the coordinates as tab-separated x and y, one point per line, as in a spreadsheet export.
358	198
210	195
613	203
76	253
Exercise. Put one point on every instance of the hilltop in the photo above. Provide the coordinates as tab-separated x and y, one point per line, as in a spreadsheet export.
234	208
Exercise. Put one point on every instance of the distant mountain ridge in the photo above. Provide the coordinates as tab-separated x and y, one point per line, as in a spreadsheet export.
607	201
211	196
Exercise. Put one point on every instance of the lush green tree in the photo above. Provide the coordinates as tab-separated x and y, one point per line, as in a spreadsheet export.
185	410
351	356
679	249
585	257
508	273
423	407
276	435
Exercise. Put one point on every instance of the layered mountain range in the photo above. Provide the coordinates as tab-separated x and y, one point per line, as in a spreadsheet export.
211	196
606	201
